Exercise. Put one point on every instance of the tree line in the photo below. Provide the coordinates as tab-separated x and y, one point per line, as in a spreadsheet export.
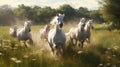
41	15
110	9
108	12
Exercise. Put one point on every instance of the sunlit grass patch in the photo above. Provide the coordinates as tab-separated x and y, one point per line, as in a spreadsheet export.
102	50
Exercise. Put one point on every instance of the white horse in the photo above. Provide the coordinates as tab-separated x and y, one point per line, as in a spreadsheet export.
77	34
13	31
44	31
24	34
88	26
57	39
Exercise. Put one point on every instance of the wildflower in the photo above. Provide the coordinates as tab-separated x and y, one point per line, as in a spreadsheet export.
79	52
114	55
108	57
13	59
33	59
25	56
0	54
115	47
108	64
18	61
108	48
100	65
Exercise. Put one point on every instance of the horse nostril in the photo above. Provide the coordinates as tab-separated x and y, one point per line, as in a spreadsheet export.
29	30
92	27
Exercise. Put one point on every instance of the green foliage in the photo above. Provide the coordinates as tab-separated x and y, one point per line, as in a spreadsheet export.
6	15
45	14
103	49
82	12
38	15
111	12
95	14
67	10
23	11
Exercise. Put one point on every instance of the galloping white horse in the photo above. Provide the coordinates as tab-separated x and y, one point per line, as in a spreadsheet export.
44	32
57	38
77	34
88	26
24	34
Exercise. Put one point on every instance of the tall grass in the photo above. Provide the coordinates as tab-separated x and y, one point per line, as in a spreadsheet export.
102	51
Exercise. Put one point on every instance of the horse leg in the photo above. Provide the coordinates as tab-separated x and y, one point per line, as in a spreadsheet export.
89	40
19	41
79	43
63	47
31	41
25	44
75	42
60	50
71	39
82	43
52	49
51	46
57	50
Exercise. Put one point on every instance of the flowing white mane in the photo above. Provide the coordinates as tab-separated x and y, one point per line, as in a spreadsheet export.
57	19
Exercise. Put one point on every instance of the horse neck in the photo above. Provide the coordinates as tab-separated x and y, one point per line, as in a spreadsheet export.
80	27
54	20
26	29
47	28
15	29
87	27
57	28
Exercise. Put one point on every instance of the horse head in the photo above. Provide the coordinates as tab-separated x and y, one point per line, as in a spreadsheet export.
58	19
82	20
27	26
89	25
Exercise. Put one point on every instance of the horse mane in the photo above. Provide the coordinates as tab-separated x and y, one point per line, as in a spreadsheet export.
57	18
54	20
47	27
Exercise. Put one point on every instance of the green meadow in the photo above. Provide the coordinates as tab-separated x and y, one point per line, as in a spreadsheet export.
103	50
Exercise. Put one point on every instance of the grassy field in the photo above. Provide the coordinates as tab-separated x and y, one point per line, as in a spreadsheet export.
103	51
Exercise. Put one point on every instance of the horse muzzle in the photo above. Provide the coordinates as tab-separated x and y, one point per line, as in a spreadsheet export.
29	30
92	27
